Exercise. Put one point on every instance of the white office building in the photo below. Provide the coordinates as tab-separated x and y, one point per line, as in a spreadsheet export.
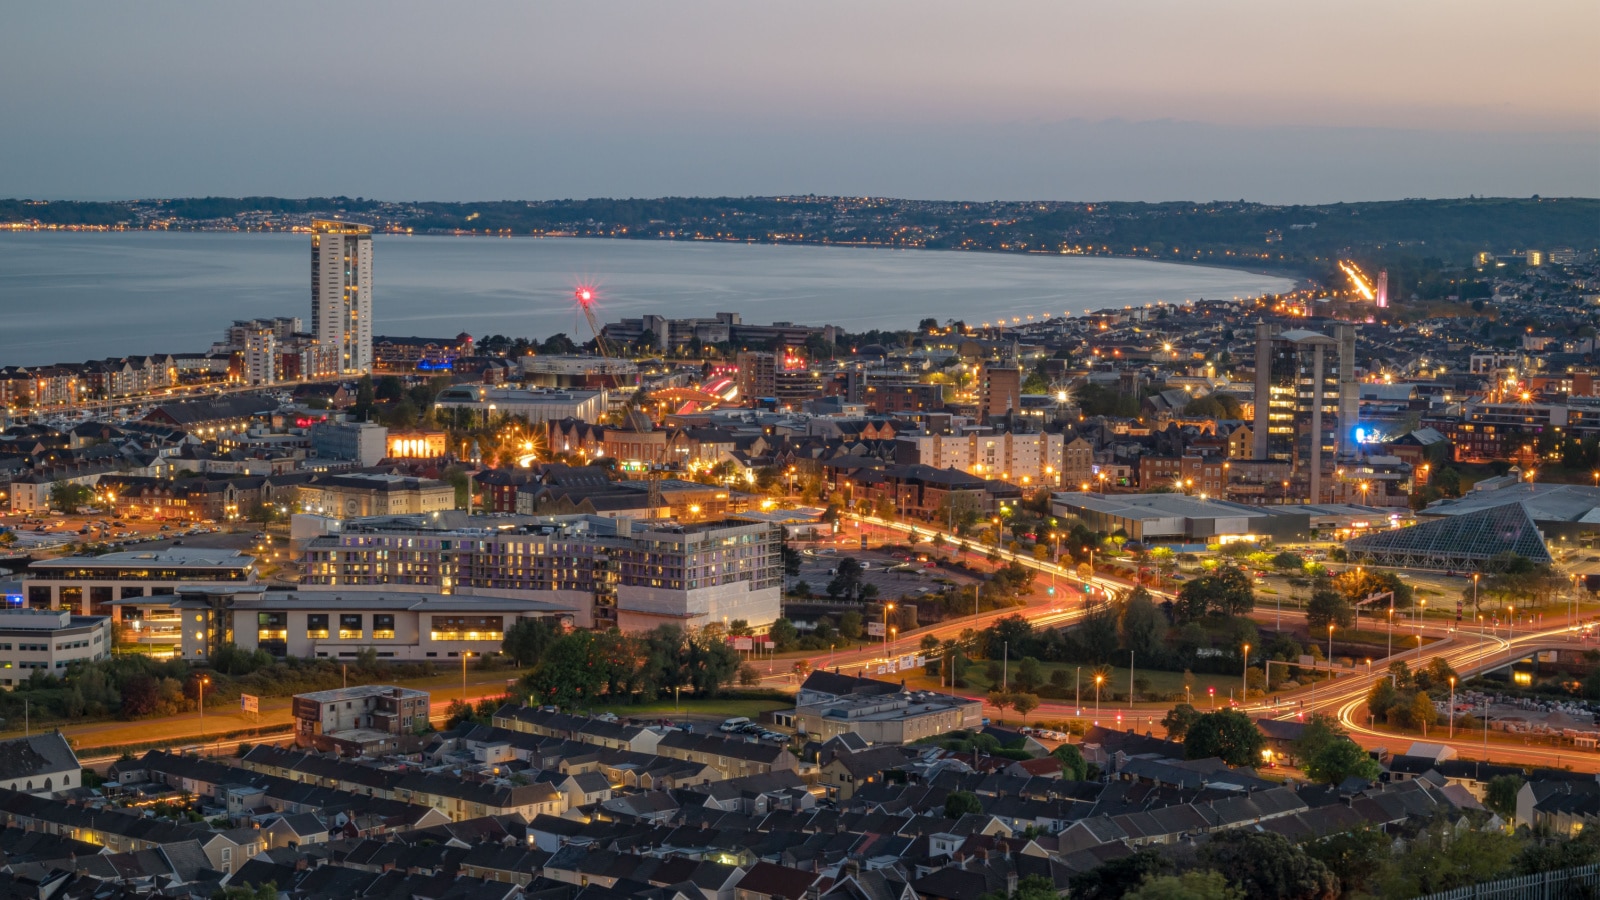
48	640
341	291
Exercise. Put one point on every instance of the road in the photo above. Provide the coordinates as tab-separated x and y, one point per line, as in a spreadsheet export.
1467	651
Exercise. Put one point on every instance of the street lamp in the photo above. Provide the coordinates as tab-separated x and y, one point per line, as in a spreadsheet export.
464	655
1330	647
1244	690
1452	707
1097	679
201	684
887	608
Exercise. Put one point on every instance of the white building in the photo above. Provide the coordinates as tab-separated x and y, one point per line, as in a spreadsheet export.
48	640
1022	459
41	764
341	291
533	405
260	356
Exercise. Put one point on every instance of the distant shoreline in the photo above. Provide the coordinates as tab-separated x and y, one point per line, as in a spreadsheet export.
1302	279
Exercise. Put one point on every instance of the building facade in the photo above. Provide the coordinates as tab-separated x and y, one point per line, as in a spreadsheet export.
341	291
1307	400
1028	460
48	641
630	575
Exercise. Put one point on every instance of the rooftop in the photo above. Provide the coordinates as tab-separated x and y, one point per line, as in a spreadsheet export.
191	558
361	692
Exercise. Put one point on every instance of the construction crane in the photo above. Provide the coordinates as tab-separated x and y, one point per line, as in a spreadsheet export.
585	298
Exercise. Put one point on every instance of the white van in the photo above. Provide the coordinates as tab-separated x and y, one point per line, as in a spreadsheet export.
734	724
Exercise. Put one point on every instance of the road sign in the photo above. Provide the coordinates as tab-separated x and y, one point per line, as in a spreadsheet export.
875	629
743	643
249	703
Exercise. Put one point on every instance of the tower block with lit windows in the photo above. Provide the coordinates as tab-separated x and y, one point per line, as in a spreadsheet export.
1306	405
341	291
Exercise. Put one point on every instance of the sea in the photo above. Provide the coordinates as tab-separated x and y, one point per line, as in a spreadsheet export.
70	297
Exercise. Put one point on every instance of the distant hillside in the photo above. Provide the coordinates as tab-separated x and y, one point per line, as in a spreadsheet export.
1434	233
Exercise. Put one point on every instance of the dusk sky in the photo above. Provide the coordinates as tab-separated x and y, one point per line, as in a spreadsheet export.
1279	102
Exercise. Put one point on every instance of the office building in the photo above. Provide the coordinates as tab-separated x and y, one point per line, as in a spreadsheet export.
1306	403
362	443
830	704
615	572
90	585
48	640
341	291
999	389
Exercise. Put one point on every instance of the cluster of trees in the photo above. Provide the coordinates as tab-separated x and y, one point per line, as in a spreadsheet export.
1236	864
574	669
1226	592
1407	698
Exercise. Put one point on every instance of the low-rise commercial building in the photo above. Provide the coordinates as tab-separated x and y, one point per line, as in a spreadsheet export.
89	585
533	405
48	641
347	719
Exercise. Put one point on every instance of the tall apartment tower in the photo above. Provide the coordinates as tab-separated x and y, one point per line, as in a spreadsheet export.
341	291
999	389
260	356
1307	401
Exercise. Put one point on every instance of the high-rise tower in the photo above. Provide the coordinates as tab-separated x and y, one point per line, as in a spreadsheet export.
341	291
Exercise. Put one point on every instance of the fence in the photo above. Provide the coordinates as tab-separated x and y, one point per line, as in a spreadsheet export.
1561	884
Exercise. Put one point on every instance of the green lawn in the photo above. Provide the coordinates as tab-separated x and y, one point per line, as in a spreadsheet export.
1116	682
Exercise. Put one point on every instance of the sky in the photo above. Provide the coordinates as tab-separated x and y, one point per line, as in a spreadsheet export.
1000	99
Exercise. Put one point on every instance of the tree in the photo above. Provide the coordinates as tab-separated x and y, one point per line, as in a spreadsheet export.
1340	759
1029	674
1226	734
850	625
1226	592
962	803
1143	627
1320	730
1423	713
1116	879
783	634
1178	720
1198	885
1024	703
1000	699
68	497
1354	856
1501	796
248	891
1327	606
528	639
1073	766
1266	864
748	676
1288	562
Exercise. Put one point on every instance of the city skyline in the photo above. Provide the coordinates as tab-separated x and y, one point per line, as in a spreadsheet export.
1021	101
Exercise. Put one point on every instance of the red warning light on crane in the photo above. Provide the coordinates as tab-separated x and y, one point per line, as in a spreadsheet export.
585	295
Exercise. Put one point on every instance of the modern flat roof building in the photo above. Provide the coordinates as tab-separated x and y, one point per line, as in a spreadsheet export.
48	641
1180	518
634	575
533	405
90	584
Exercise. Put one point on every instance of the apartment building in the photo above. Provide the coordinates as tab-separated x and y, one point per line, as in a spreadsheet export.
1026	460
619	572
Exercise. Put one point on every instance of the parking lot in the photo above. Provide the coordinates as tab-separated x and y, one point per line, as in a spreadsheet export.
892	577
43	531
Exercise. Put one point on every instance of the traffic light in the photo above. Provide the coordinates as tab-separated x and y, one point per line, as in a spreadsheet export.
1051	590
